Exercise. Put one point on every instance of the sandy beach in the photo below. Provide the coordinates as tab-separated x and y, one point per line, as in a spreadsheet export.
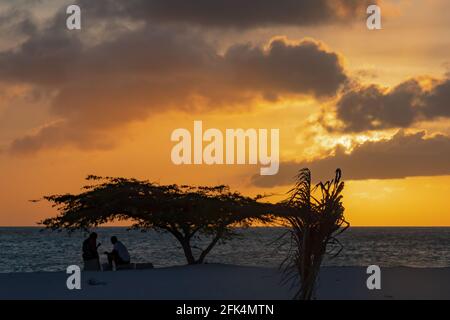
217	281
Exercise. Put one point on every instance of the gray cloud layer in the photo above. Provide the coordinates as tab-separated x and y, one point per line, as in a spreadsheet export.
155	68
402	156
372	108
16	21
232	13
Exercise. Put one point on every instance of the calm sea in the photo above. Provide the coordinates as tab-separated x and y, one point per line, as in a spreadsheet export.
30	249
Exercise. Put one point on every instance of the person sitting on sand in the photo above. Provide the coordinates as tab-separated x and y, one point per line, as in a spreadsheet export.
90	254
119	254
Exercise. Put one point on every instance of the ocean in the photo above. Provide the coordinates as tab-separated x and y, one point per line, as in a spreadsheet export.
28	249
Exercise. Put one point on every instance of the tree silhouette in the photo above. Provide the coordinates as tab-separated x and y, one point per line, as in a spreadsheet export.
186	212
315	218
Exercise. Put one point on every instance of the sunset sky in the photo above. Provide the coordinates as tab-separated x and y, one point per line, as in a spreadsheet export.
104	100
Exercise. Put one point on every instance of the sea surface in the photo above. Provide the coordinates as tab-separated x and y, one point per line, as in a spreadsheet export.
31	249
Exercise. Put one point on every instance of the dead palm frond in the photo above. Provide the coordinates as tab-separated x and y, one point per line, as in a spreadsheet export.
315	219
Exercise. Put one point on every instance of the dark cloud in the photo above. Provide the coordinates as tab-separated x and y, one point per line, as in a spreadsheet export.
232	13
58	134
155	68
374	108
16	21
302	68
436	103
371	108
402	156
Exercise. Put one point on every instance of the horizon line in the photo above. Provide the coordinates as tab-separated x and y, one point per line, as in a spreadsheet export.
274	226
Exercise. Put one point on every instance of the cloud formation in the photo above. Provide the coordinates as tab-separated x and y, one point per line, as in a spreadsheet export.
405	155
375	108
155	68
16	21
236	14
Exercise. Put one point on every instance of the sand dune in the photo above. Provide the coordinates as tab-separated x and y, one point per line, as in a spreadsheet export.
216	281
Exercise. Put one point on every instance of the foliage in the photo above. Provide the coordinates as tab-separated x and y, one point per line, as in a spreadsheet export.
314	222
184	211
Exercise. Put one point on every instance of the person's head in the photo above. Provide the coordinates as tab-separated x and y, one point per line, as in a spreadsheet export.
113	239
93	236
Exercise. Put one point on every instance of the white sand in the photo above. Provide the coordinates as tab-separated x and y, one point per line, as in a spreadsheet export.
214	281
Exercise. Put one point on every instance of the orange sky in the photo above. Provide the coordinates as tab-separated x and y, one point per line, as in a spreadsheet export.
414	43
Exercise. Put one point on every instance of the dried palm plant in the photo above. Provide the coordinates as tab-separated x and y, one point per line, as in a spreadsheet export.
315	219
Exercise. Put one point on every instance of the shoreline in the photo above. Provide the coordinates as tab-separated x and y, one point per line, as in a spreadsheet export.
226	282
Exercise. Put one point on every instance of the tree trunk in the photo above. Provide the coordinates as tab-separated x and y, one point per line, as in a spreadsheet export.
185	244
188	251
209	247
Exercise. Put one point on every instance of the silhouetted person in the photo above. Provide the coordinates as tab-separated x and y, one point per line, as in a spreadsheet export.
119	254
90	254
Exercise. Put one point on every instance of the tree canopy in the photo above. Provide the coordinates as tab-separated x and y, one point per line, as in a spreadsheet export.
183	211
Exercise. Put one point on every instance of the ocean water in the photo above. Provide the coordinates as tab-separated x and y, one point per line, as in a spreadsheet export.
30	249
